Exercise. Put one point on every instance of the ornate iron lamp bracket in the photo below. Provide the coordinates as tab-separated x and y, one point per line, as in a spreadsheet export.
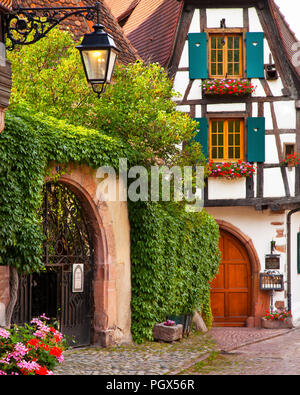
25	26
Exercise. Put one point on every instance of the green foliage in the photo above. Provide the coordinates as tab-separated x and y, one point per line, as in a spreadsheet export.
27	145
48	77
174	253
174	256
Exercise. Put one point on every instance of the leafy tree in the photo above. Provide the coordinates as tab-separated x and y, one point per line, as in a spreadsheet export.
138	106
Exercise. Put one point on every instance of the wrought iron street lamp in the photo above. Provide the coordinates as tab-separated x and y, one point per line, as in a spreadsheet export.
25	26
98	53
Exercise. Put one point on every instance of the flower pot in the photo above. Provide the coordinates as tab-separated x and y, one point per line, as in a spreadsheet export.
276	324
167	333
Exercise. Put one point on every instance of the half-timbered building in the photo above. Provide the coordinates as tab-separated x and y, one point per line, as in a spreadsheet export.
235	64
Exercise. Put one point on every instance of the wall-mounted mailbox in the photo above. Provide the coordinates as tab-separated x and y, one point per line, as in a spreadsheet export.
271	281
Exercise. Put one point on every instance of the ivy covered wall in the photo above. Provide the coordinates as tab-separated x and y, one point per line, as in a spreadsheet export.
174	254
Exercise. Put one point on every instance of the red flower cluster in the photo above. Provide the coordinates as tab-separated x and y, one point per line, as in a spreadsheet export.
231	170
278	315
234	87
292	159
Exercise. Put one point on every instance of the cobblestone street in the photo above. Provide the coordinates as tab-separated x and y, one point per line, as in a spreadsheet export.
221	351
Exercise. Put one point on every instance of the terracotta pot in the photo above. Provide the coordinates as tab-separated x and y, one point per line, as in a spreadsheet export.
275	324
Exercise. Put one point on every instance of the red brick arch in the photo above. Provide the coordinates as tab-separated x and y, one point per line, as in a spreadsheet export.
260	300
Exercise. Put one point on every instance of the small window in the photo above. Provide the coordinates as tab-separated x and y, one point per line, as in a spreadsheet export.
225	56
289	149
226	140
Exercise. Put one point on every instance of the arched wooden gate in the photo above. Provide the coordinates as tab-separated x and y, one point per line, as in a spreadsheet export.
63	291
231	289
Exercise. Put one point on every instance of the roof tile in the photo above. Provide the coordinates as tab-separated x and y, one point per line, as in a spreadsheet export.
151	27
79	26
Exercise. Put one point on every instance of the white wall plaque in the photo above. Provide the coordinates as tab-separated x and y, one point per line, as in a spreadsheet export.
78	276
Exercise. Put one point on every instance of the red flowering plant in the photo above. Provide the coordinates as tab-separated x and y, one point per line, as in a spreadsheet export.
233	87
278	315
31	349
292	159
231	170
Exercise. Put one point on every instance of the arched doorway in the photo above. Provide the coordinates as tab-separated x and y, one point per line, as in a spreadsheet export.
231	290
63	291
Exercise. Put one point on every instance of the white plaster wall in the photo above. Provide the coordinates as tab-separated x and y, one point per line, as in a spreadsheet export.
268	116
273	183
259	91
295	277
276	87
286	114
257	226
221	188
181	81
271	150
183	108
230	107
267	52
291	179
233	16
184	59
195	24
255	109
195	91
254	22
198	111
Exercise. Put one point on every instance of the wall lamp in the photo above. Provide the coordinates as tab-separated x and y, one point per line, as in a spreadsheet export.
25	26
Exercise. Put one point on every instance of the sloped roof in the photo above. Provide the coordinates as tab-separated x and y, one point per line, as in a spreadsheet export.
6	4
79	26
151	26
288	37
122	8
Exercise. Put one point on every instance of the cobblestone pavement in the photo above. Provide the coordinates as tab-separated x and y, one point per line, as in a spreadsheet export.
199	350
279	355
152	358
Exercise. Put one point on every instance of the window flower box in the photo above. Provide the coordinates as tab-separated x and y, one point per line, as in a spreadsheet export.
231	170
292	160
227	87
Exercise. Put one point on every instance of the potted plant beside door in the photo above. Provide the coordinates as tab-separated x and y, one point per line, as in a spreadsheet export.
277	319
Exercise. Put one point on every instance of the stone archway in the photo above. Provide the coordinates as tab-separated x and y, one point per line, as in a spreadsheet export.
110	232
111	240
259	300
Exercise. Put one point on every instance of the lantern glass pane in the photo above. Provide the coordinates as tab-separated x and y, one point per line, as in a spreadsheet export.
95	62
112	60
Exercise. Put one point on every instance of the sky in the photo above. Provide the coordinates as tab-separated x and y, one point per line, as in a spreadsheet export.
291	11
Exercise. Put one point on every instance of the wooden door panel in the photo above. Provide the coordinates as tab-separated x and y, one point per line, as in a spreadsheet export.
218	304
219	281
231	289
237	305
237	276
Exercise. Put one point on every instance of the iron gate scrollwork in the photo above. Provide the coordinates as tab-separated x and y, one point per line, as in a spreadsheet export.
67	242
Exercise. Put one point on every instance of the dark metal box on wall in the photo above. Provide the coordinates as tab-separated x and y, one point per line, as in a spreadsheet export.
271	281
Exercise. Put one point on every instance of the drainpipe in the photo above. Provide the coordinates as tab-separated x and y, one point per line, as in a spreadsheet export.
289	294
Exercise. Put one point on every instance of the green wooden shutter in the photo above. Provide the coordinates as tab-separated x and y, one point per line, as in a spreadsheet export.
197	55
201	136
255	55
256	140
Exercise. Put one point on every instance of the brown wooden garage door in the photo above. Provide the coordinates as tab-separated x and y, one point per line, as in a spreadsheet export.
231	289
